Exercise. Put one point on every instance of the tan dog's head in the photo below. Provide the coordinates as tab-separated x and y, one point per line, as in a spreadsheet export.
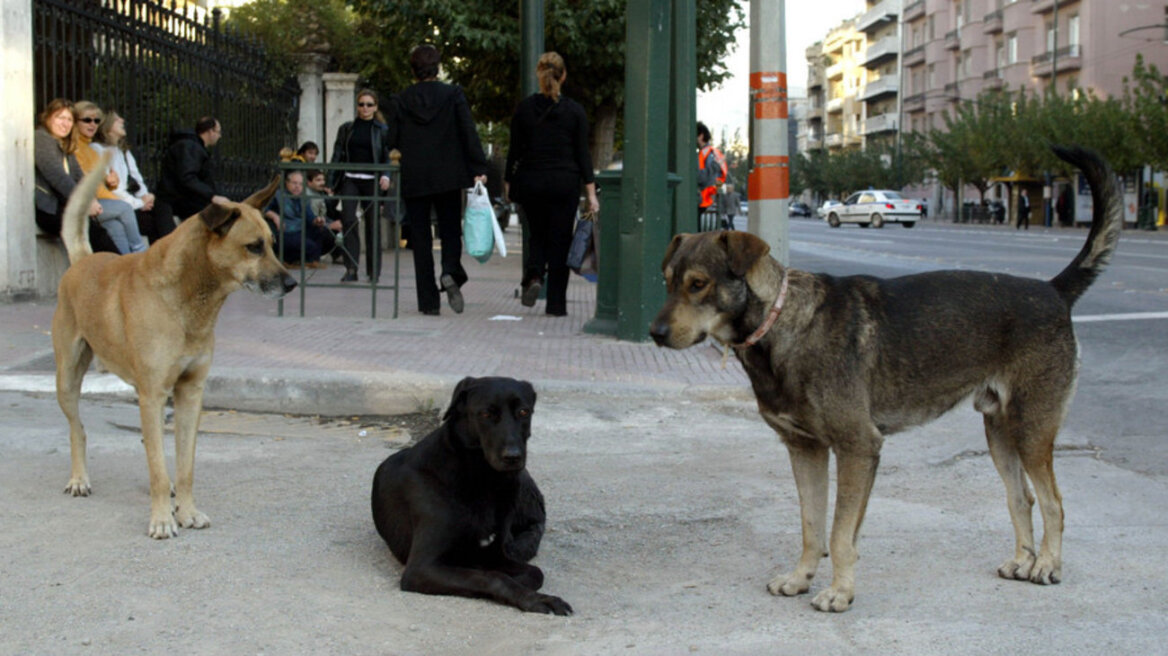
240	244
706	278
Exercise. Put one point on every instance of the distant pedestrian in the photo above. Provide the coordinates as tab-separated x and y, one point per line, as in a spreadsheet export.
712	170
186	183
547	162
430	124
1023	210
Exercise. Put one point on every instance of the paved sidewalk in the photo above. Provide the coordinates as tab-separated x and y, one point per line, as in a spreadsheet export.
337	360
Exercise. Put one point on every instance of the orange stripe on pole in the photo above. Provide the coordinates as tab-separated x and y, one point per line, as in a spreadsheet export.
769	92
768	80
771	160
769	183
768	110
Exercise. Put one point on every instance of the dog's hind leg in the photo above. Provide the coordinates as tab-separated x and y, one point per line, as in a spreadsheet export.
188	404
855	475
1019	500
809	463
73	358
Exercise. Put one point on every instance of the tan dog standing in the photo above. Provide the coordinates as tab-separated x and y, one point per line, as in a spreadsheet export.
838	363
150	318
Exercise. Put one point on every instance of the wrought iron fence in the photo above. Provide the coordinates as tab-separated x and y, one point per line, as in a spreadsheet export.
162	68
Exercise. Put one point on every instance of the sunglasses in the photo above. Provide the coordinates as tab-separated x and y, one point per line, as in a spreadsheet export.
89	119
366	104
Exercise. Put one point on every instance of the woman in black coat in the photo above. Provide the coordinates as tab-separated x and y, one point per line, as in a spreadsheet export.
361	141
547	162
430	124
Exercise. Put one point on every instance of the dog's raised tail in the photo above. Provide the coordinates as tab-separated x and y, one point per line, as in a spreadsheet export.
1106	223
75	219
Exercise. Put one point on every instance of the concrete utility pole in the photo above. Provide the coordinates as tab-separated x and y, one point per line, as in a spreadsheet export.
769	185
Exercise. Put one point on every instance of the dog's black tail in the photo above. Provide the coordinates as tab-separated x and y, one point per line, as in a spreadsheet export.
1106	223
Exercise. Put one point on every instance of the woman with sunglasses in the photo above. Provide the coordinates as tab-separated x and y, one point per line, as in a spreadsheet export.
58	172
361	141
117	217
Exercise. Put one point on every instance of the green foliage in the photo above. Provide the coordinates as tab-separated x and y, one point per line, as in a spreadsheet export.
287	28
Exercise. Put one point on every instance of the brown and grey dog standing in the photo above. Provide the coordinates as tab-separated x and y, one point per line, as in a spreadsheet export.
838	363
150	317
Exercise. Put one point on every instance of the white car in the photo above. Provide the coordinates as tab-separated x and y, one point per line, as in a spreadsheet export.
826	207
875	207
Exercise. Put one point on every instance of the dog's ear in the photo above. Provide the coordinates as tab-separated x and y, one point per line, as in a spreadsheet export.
458	399
673	246
261	198
219	218
742	250
528	391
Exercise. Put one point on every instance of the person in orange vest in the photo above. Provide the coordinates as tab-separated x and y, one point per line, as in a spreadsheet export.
711	170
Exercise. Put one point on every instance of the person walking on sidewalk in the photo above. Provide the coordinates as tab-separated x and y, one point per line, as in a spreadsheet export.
430	124
711	171
546	163
364	140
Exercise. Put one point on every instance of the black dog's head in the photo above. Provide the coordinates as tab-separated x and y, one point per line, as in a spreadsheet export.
493	415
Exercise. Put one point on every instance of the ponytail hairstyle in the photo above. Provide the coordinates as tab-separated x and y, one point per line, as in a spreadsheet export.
369	93
103	131
550	70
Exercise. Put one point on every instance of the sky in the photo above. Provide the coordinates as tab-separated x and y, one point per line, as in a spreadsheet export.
728	107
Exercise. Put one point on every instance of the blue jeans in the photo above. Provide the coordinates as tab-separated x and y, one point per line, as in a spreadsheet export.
118	219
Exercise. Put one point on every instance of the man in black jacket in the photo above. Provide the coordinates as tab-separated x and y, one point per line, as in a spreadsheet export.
187	183
430	124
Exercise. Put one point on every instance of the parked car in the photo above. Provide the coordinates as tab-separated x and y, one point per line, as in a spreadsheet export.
826	207
798	208
875	207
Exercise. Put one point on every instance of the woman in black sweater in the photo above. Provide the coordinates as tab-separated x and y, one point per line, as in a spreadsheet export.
361	141
546	164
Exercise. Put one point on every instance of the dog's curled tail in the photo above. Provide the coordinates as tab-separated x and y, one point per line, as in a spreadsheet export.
1106	223
75	219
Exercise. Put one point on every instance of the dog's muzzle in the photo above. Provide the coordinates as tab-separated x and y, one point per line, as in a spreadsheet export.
659	331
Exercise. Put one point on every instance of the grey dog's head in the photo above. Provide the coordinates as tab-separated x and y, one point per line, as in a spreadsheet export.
493	415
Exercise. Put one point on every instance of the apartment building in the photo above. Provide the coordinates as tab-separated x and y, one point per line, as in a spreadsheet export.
901	64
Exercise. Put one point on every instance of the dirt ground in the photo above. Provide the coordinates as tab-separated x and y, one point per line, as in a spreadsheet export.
667	517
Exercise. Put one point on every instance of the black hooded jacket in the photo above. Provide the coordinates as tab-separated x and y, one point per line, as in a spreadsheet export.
430	124
187	178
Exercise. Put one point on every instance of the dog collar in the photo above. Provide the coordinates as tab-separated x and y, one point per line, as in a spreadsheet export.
772	316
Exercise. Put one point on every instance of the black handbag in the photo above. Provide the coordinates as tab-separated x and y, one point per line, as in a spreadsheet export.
583	257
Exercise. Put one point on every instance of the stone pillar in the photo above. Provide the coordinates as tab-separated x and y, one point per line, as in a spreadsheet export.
18	242
311	124
339	106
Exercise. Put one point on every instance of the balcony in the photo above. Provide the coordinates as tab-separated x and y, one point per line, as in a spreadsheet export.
914	103
834	71
878	124
814	143
834	140
993	22
914	10
1067	58
914	57
952	40
1041	6
889	84
881	51
992	79
952	92
814	113
815	79
877	16
835	105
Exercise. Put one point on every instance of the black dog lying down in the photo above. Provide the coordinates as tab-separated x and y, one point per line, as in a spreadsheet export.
459	510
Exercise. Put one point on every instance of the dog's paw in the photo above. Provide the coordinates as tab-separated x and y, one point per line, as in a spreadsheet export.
1018	568
1046	571
789	585
192	518
542	603
832	600
163	527
78	487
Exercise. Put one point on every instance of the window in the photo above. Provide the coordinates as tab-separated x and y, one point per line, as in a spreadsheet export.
1073	30
999	53
1012	48
932	27
932	73
1050	36
966	58
957	11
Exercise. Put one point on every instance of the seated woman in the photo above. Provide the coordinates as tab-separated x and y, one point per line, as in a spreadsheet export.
131	184
292	219
57	173
117	217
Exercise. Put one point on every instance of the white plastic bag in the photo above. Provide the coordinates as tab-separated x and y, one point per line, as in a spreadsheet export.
477	220
500	245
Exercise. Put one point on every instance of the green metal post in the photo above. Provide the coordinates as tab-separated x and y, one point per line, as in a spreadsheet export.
608	189
683	118
645	222
531	13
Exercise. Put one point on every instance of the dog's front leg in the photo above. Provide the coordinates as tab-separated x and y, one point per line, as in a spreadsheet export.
150	403
467	582
809	464
188	405
855	474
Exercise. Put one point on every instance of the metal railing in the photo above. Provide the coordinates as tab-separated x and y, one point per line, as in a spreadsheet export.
162	69
371	209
